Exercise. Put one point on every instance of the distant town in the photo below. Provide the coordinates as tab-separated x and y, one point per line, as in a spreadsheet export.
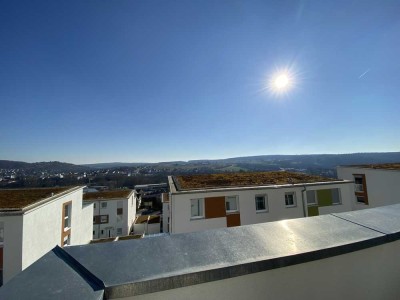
15	174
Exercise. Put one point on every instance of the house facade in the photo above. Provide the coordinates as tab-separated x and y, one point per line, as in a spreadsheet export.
113	212
202	202
374	185
33	221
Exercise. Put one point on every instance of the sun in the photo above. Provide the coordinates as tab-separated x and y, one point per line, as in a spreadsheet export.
281	81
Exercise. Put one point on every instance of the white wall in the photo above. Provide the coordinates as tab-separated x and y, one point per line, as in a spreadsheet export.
277	210
146	228
29	236
382	185
12	246
371	273
43	225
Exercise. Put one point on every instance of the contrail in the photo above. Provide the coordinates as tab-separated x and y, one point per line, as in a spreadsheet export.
363	74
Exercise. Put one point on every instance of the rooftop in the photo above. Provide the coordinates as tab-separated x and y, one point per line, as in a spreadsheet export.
192	182
107	194
389	166
91	271
20	198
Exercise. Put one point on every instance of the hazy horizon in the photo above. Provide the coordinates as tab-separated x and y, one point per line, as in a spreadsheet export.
197	159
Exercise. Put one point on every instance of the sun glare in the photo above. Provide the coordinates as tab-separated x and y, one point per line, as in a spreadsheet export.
281	82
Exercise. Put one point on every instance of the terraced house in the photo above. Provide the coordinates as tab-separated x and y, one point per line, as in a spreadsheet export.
201	202
34	221
113	212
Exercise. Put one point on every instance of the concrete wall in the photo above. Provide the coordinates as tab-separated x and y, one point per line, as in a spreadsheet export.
12	246
371	273
277	210
381	185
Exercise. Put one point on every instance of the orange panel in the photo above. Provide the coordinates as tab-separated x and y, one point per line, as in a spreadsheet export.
233	220
214	207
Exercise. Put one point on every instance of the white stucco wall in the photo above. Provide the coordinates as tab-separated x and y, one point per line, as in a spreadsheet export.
371	273
42	226
381	185
277	210
29	236
12	246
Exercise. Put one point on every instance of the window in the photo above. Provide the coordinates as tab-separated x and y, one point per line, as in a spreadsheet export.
231	204
119	231
336	196
102	231
67	216
311	198
359	183
290	199
1	232
104	219
94	205
261	203
120	209
93	232
103	204
196	208
66	240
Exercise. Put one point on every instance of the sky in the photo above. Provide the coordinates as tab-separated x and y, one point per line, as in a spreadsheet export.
148	81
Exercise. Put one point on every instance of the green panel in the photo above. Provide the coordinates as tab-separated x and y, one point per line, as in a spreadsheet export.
313	211
324	197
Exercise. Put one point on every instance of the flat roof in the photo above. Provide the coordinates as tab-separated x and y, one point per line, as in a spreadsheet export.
107	194
194	182
20	198
194	258
388	166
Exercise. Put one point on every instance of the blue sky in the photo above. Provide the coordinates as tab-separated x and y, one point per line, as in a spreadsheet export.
100	81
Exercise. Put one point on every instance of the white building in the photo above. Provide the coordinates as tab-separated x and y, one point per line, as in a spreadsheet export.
201	202
33	221
113	212
374	185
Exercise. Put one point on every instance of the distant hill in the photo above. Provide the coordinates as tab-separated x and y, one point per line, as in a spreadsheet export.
112	165
53	166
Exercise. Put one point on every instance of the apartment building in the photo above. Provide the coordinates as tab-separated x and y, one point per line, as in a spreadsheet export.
33	221
113	212
201	202
374	185
338	256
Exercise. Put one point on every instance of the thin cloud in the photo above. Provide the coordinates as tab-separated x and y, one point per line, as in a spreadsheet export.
363	74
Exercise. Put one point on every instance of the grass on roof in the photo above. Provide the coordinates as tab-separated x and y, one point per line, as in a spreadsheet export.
388	166
189	182
107	194
19	198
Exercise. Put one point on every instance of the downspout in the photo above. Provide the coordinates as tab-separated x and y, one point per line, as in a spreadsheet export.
303	201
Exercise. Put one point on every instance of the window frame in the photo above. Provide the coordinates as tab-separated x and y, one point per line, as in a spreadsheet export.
103	205
265	198
294	200
200	204
315	203
237	204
